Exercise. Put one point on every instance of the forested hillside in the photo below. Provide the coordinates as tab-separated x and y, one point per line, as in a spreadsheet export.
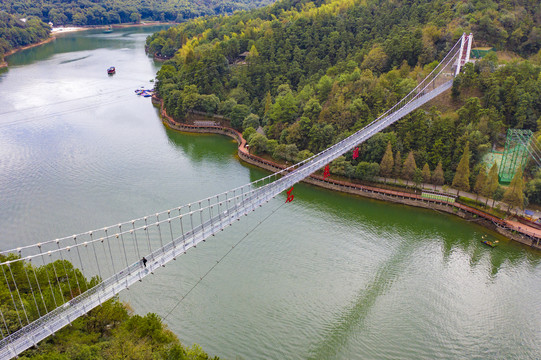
15	33
102	12
312	72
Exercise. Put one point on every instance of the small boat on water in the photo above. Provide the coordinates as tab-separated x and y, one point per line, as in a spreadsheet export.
489	243
111	70
108	30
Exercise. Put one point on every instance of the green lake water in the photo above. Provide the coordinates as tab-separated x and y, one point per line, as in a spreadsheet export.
327	276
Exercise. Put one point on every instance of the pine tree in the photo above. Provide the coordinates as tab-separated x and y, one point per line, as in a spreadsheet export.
480	182
491	184
387	162
268	102
461	181
437	176
514	195
409	167
397	170
426	174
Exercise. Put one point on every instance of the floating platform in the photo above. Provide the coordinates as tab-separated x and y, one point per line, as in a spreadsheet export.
490	243
144	93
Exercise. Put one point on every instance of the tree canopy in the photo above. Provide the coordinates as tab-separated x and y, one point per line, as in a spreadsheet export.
15	32
108	331
316	71
101	12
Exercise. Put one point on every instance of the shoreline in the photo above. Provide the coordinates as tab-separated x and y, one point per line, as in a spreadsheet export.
13	51
70	29
510	229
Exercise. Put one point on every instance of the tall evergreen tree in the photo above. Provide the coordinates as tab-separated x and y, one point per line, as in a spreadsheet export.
417	177
397	170
437	176
387	162
409	167
461	181
492	183
268	102
514	195
426	173
480	182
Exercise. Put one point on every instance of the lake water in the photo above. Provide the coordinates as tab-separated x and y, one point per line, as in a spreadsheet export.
327	276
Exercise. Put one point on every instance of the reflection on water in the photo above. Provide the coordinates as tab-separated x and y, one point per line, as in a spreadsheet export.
87	40
72	60
203	148
336	334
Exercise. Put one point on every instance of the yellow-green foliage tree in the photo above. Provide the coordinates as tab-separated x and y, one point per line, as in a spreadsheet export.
409	167
437	176
426	174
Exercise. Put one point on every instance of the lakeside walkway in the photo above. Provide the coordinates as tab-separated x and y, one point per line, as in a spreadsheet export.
447	190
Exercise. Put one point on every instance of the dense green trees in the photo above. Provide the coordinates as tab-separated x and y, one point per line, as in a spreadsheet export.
533	189
106	332
315	72
100	12
15	32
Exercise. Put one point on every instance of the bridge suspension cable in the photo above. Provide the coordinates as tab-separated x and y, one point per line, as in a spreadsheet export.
532	147
74	274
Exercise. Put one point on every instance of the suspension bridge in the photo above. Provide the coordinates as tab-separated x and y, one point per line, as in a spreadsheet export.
54	272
